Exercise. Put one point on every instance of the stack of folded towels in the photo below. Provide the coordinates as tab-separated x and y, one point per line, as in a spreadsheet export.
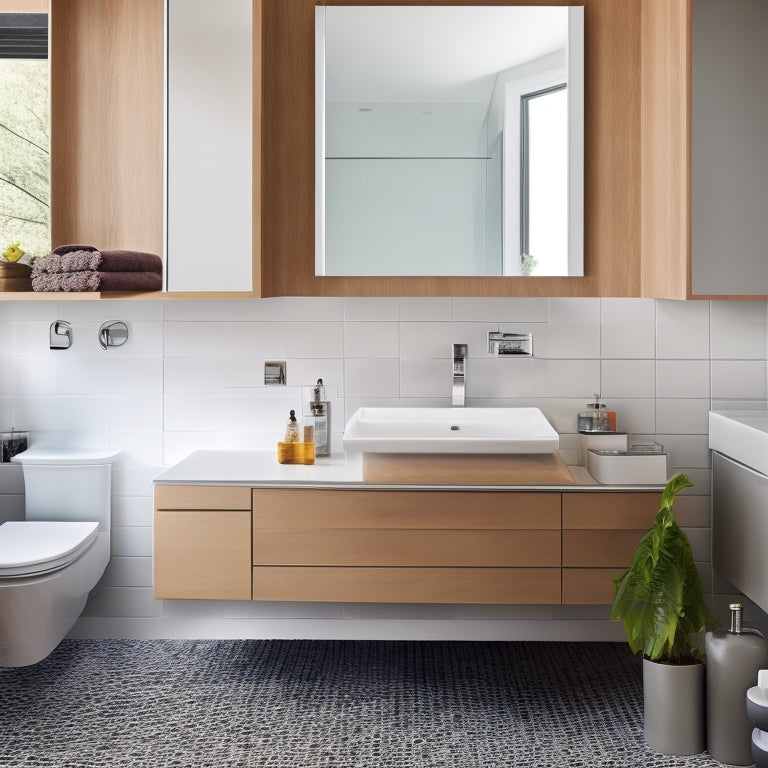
85	268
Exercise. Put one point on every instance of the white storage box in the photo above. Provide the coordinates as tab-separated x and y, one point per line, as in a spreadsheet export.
623	468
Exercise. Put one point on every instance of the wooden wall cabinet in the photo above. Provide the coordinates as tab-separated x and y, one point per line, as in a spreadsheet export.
704	165
107	147
107	123
612	178
107	152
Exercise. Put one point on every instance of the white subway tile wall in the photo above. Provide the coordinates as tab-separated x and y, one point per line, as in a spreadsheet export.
192	377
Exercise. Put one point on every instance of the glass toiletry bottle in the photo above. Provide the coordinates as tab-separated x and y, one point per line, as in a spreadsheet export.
292	430
320	409
589	419
584	420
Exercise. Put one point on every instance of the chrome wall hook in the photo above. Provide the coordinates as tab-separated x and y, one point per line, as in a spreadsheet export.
60	334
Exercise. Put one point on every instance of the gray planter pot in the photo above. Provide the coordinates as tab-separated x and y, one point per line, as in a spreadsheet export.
673	704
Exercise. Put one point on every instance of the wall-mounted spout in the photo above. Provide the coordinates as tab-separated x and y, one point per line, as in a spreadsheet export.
459	368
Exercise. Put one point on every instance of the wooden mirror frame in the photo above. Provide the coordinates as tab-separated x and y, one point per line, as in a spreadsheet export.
612	111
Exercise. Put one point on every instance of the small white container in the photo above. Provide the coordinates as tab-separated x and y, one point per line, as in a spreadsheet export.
613	441
627	468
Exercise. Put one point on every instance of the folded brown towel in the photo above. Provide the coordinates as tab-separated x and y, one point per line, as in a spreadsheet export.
130	261
130	281
75	258
62	249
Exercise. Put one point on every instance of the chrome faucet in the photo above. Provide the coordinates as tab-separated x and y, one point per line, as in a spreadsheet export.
459	366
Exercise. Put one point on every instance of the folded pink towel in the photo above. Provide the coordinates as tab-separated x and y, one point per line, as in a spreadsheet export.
84	280
73	261
89	280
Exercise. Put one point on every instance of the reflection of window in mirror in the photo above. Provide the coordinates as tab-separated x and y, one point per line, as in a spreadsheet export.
544	182
24	132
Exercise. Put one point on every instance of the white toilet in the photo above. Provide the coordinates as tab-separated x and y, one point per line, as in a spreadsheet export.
53	559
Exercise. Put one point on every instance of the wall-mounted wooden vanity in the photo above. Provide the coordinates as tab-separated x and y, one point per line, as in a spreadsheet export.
306	540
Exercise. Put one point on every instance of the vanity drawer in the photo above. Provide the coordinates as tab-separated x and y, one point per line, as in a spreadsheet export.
608	511
413	547
604	529
408	585
202	497
600	548
202	554
309	508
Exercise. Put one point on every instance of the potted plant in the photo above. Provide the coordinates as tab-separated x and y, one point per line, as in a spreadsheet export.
660	600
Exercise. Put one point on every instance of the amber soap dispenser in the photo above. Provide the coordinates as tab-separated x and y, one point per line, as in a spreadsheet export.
294	450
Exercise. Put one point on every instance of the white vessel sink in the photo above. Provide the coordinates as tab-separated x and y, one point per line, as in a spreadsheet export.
450	430
741	435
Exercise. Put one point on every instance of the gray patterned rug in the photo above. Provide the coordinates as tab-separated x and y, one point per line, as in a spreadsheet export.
327	704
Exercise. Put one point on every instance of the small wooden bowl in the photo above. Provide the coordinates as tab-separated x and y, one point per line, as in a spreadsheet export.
15	277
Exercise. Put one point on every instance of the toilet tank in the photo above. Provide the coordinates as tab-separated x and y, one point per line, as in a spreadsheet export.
68	484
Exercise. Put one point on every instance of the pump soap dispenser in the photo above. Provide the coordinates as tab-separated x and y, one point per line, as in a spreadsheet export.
291	450
734	658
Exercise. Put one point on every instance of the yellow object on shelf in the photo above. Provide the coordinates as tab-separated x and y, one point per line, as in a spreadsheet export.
295	453
13	253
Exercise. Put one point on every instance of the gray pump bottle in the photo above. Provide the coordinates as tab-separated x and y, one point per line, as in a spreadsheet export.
734	657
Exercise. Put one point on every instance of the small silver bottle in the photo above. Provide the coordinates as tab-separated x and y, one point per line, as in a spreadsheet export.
734	658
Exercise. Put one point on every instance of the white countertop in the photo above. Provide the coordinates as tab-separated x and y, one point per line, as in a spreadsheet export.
741	435
260	469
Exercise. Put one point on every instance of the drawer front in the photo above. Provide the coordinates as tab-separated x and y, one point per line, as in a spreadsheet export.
408	585
410	547
202	555
589	586
202	497
600	548
610	510
308	508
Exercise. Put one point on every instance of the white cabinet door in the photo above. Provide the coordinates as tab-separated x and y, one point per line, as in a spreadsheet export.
209	141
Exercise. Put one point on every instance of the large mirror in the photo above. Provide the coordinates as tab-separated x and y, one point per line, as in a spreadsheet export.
449	140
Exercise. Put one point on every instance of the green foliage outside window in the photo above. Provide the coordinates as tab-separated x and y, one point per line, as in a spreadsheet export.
25	168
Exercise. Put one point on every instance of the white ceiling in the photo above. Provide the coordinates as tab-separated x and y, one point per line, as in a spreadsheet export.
433	53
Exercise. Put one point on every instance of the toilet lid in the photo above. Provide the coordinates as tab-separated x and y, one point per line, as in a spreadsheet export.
33	547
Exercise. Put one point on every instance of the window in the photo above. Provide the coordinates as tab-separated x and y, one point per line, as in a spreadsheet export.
544	181
24	132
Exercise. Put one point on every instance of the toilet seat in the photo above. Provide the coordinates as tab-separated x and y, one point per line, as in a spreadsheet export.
31	548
